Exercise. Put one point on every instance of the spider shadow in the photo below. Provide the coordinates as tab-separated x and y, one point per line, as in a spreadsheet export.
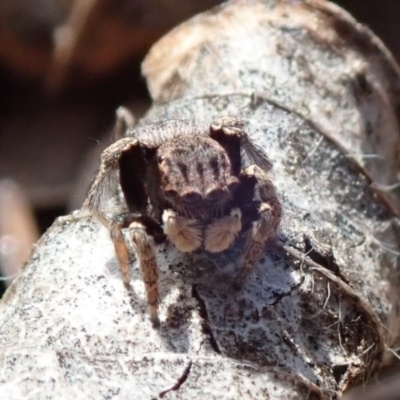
275	315
175	310
136	302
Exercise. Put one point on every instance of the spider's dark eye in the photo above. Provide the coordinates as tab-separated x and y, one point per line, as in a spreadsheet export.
191	198
215	195
170	193
160	159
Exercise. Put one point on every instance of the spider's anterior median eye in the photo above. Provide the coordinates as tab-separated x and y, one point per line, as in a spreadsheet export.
191	198
160	159
215	195
170	193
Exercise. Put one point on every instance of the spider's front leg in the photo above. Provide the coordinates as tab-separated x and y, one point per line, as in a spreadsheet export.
265	226
99	190
145	234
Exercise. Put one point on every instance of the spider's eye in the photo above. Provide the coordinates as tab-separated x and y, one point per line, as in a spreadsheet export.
160	159
191	198
215	195
170	193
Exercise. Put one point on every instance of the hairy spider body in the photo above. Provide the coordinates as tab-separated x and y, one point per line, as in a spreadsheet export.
198	187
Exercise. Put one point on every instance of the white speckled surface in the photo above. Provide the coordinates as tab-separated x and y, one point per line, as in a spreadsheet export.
70	329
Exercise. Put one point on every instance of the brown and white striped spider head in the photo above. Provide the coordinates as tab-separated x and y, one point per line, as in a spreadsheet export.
196	175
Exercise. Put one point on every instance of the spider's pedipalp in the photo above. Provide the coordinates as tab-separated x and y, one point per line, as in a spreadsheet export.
183	232
221	233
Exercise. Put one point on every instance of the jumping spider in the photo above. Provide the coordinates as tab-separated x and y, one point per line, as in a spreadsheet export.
197	187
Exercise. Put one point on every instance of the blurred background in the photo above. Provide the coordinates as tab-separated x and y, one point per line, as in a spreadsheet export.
65	65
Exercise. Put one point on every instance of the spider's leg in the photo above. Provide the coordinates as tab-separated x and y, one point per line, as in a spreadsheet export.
122	252
100	188
229	132
145	251
124	121
183	232
145	234
265	226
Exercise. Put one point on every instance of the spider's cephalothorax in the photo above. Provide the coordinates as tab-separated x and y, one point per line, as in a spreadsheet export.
197	187
196	177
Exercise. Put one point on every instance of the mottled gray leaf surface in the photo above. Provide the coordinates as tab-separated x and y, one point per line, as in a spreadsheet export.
309	321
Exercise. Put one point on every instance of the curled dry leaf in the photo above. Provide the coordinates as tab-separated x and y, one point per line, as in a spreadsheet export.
318	92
